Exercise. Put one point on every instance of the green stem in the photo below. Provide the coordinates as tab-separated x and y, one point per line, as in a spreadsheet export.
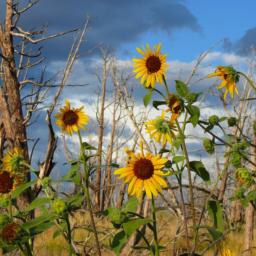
69	236
166	86
87	193
248	79
160	93
22	250
28	249
191	193
155	227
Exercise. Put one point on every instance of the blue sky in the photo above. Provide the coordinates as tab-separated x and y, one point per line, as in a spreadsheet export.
218	21
186	28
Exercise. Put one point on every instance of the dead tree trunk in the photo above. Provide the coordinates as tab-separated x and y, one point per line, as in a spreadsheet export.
10	100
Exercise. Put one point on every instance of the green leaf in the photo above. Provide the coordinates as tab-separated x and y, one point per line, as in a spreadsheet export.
216	234
75	201
41	228
216	212
147	97
38	202
181	88
133	225
38	221
131	205
199	169
114	214
87	146
115	165
57	233
194	114
157	103
178	159
192	97
20	189
73	174
177	142
118	242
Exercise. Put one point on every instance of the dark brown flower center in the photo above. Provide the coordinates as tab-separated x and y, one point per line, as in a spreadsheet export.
10	232
153	64
70	118
143	169
6	182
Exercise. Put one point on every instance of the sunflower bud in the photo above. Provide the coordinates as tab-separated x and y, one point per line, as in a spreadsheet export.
244	176
213	120
45	182
232	121
59	206
235	159
208	146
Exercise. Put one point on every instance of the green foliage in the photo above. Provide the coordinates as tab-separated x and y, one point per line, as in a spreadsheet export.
38	203
215	210
181	88
59	206
232	121
213	120
156	103
147	98
194	114
177	159
200	170
208	146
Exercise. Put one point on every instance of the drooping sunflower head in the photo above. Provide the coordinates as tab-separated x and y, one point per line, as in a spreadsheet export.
143	172
175	106
10	232
151	67
12	160
160	129
71	119
229	77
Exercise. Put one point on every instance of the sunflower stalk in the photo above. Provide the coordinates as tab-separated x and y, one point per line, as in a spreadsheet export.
87	193
166	86
191	193
155	227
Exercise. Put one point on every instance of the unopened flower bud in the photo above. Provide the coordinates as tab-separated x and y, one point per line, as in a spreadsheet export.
59	206
232	121
213	120
208	146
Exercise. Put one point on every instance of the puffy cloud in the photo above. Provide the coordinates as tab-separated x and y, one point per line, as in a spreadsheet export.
112	23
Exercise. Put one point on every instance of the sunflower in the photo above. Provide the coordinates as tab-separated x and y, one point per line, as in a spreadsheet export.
151	67
143	172
10	232
160	129
71	119
12	160
229	77
175	106
226	252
